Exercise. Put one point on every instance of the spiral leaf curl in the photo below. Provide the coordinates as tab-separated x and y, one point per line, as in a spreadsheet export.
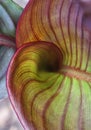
51	86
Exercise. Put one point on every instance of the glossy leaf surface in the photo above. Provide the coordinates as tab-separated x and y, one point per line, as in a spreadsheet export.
51	75
52	21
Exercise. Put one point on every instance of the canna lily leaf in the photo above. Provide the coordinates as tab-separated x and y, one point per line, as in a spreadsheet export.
49	77
7	49
34	71
52	21
9	15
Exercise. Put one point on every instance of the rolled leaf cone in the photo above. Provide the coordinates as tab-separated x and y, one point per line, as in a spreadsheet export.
49	77
7	49
9	15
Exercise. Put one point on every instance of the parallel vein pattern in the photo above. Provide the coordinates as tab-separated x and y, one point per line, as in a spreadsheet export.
51	74
62	22
46	98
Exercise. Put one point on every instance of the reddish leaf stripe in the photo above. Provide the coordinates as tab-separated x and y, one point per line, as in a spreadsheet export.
80	120
76	37
49	101
50	22
88	56
72	29
55	23
64	21
48	31
70	46
31	26
79	38
36	80
42	22
40	93
63	36
36	18
76	73
81	43
50	84
39	81
65	109
51	78
87	45
30	20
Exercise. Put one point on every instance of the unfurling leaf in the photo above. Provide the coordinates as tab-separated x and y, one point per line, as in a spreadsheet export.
49	77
